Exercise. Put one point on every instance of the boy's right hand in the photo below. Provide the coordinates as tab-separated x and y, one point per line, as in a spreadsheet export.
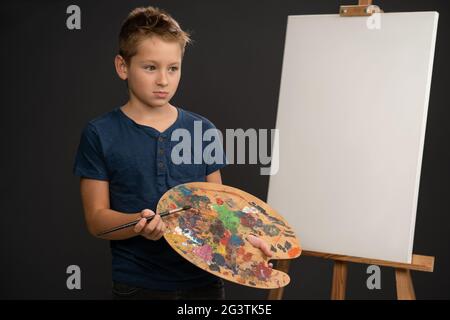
152	230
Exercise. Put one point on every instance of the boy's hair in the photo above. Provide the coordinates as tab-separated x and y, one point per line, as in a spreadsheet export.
143	23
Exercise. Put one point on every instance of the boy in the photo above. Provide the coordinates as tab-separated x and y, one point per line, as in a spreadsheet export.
124	161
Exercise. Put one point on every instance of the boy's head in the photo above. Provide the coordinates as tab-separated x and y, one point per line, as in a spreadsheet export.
151	49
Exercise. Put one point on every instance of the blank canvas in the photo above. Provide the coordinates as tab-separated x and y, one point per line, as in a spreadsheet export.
352	117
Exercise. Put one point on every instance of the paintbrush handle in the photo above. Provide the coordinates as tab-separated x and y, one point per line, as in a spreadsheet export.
133	223
126	225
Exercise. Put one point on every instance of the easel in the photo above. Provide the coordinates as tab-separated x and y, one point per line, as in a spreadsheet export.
405	289
404	285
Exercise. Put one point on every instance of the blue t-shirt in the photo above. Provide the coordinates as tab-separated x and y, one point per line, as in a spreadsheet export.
136	161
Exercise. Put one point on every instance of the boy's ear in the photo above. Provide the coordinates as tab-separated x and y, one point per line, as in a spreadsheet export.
121	67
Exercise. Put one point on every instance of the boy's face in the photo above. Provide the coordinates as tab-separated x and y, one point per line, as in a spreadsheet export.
156	67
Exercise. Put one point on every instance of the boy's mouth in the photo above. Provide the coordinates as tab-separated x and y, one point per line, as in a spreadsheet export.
161	94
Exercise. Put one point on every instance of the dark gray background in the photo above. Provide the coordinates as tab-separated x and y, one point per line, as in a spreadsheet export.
54	80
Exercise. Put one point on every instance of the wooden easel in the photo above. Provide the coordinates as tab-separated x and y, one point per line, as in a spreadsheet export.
404	285
363	8
405	289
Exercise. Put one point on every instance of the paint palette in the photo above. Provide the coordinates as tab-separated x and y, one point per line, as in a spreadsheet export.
213	234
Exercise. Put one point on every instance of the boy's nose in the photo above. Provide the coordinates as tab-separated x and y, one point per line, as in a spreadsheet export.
162	79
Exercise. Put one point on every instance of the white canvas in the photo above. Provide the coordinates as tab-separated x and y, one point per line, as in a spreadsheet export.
352	117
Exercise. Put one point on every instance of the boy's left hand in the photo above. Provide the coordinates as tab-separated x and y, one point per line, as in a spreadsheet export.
260	244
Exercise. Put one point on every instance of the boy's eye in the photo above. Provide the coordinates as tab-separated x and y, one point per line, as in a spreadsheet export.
151	68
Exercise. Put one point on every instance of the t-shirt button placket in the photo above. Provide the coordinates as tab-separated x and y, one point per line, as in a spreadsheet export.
160	155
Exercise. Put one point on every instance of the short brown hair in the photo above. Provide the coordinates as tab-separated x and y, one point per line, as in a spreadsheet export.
142	23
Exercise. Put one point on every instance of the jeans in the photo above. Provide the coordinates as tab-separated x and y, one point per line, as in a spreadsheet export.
213	291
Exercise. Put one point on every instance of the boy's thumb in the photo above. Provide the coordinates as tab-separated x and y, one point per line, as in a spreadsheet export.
147	213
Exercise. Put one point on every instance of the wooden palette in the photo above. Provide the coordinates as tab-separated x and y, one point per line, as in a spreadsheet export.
213	234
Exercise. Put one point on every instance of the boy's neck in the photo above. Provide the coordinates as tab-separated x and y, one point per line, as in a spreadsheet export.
143	112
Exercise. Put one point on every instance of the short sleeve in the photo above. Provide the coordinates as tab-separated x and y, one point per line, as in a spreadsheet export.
214	154
89	159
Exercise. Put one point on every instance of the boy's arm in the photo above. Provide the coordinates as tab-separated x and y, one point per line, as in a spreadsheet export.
99	216
214	177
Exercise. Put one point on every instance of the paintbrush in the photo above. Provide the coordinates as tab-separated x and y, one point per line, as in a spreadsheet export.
132	223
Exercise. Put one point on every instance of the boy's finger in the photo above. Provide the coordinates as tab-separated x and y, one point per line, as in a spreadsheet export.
140	225
265	248
154	222
148	230
151	229
260	244
156	235
159	229
147	213
159	235
152	233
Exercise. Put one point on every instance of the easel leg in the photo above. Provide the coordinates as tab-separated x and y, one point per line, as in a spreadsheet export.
339	280
277	294
405	289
